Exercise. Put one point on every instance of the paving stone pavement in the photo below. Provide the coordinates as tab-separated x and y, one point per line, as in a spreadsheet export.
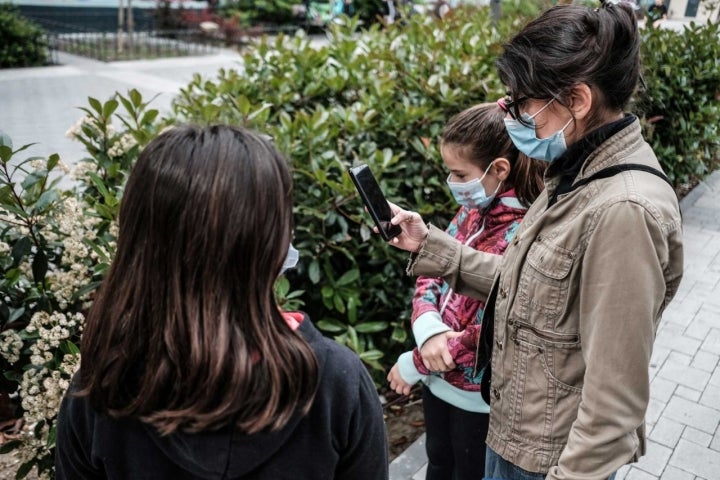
683	417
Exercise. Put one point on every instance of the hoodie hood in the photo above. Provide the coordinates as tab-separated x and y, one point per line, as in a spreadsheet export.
227	453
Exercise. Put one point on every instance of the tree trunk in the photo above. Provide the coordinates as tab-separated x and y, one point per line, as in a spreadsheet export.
496	10
121	25
131	24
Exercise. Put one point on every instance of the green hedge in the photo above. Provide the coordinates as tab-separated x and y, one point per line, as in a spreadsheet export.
681	101
23	43
379	98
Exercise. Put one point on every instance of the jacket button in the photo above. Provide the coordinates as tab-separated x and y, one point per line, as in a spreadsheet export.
496	394
516	240
499	344
503	293
511	322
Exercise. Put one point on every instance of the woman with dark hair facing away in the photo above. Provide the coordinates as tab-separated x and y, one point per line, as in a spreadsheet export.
190	370
494	184
578	294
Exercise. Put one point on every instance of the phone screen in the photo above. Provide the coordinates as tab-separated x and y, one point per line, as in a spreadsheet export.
374	200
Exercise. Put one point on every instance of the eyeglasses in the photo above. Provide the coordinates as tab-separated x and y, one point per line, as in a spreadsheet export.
508	105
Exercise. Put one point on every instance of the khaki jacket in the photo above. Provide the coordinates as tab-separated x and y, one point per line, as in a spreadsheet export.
581	290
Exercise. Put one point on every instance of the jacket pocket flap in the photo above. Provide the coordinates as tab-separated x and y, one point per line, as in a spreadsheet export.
550	260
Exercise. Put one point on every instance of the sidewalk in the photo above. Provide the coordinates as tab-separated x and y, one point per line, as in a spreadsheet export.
40	104
684	411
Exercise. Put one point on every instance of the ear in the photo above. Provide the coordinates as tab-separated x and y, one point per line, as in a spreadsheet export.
581	101
501	168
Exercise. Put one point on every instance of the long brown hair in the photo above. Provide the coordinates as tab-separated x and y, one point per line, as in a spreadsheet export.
480	132
185	333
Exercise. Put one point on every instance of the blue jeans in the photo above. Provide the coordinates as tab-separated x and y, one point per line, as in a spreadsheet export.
497	468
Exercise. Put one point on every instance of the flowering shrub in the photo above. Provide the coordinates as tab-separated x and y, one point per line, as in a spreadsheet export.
55	246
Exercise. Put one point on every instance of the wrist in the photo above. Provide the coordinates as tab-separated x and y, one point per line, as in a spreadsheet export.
423	241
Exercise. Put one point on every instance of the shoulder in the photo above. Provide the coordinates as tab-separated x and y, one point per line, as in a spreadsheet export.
345	384
335	360
75	411
634	186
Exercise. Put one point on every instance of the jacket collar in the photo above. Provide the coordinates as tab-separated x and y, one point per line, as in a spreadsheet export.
577	162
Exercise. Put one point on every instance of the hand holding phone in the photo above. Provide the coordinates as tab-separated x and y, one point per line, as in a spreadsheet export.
374	200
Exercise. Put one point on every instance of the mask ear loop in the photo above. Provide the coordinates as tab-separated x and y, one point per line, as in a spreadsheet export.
485	174
542	109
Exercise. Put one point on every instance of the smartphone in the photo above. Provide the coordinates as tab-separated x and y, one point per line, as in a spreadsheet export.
374	200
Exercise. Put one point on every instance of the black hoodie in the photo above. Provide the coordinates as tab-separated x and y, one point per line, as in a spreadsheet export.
342	437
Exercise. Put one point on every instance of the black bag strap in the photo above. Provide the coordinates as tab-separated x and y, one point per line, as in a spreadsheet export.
615	169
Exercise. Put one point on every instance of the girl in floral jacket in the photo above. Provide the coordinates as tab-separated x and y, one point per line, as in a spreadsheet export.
494	184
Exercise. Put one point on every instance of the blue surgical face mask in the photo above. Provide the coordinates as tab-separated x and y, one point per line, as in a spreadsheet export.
291	259
525	139
472	194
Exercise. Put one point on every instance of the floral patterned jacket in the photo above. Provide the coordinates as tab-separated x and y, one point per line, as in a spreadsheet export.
437	308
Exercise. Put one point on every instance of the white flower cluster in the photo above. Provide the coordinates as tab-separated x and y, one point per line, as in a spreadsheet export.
81	171
64	167
122	145
75	130
51	329
36	447
10	345
4	248
14	220
75	229
42	389
37	164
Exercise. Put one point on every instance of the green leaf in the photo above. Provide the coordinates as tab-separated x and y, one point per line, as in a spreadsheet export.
52	162
353	340
371	355
135	97
314	271
6	194
10	446
52	436
48	197
348	277
330	325
5	140
99	184
33	178
5	153
109	108
90	287
149	117
338	303
15	313
39	266
371	327
72	347
96	105
20	249
24	469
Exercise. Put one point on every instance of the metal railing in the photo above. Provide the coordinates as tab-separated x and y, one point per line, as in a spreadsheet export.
108	46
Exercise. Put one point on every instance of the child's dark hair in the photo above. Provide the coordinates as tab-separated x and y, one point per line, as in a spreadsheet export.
480	130
185	333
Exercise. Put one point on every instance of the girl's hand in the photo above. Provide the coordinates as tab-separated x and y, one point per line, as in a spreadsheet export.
435	352
397	383
414	229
